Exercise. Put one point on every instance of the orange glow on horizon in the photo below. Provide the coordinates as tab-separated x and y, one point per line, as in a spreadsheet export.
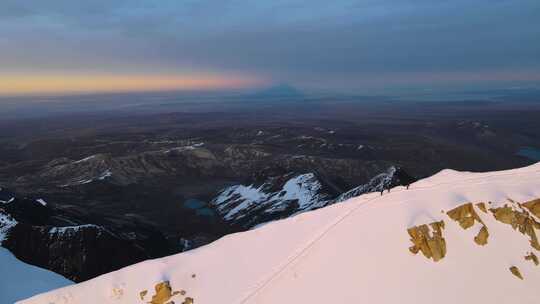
65	84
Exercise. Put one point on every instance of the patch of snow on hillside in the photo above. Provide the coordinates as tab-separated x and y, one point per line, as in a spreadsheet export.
303	188
8	201
6	223
41	201
184	148
72	229
104	175
248	195
238	201
84	159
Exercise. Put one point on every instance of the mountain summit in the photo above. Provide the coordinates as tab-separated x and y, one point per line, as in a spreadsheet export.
456	237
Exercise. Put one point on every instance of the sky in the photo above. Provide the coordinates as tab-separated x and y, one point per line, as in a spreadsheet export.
346	45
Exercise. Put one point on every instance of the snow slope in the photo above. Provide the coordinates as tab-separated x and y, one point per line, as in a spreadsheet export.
355	252
20	280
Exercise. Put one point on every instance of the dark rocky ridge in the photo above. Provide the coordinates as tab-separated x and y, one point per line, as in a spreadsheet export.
81	245
69	244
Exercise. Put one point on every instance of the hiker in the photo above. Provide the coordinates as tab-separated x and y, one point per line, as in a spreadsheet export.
404	178
385	187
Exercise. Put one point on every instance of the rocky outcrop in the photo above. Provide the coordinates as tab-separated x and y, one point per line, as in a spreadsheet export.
77	252
49	238
429	240
520	220
482	207
466	216
164	294
482	237
515	271
394	176
521	216
534	207
533	258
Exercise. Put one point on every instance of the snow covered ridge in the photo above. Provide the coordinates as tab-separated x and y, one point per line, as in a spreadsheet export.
365	250
290	194
240	201
376	184
41	201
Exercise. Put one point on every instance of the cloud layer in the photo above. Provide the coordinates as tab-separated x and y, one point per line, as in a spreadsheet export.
321	44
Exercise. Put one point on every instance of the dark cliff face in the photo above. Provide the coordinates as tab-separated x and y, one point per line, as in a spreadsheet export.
78	253
394	176
69	244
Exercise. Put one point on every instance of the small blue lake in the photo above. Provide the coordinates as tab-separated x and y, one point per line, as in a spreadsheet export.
199	207
530	153
194	204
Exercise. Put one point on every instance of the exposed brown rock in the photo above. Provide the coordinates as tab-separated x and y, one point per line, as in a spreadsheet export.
482	237
188	300
515	271
533	206
142	294
519	220
482	206
163	293
504	215
117	293
465	215
429	241
532	257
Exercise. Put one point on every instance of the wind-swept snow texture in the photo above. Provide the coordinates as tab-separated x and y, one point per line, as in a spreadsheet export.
354	252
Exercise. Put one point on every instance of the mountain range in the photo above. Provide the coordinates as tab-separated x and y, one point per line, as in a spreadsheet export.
450	236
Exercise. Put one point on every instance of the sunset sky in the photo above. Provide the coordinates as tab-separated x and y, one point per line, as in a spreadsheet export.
63	46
